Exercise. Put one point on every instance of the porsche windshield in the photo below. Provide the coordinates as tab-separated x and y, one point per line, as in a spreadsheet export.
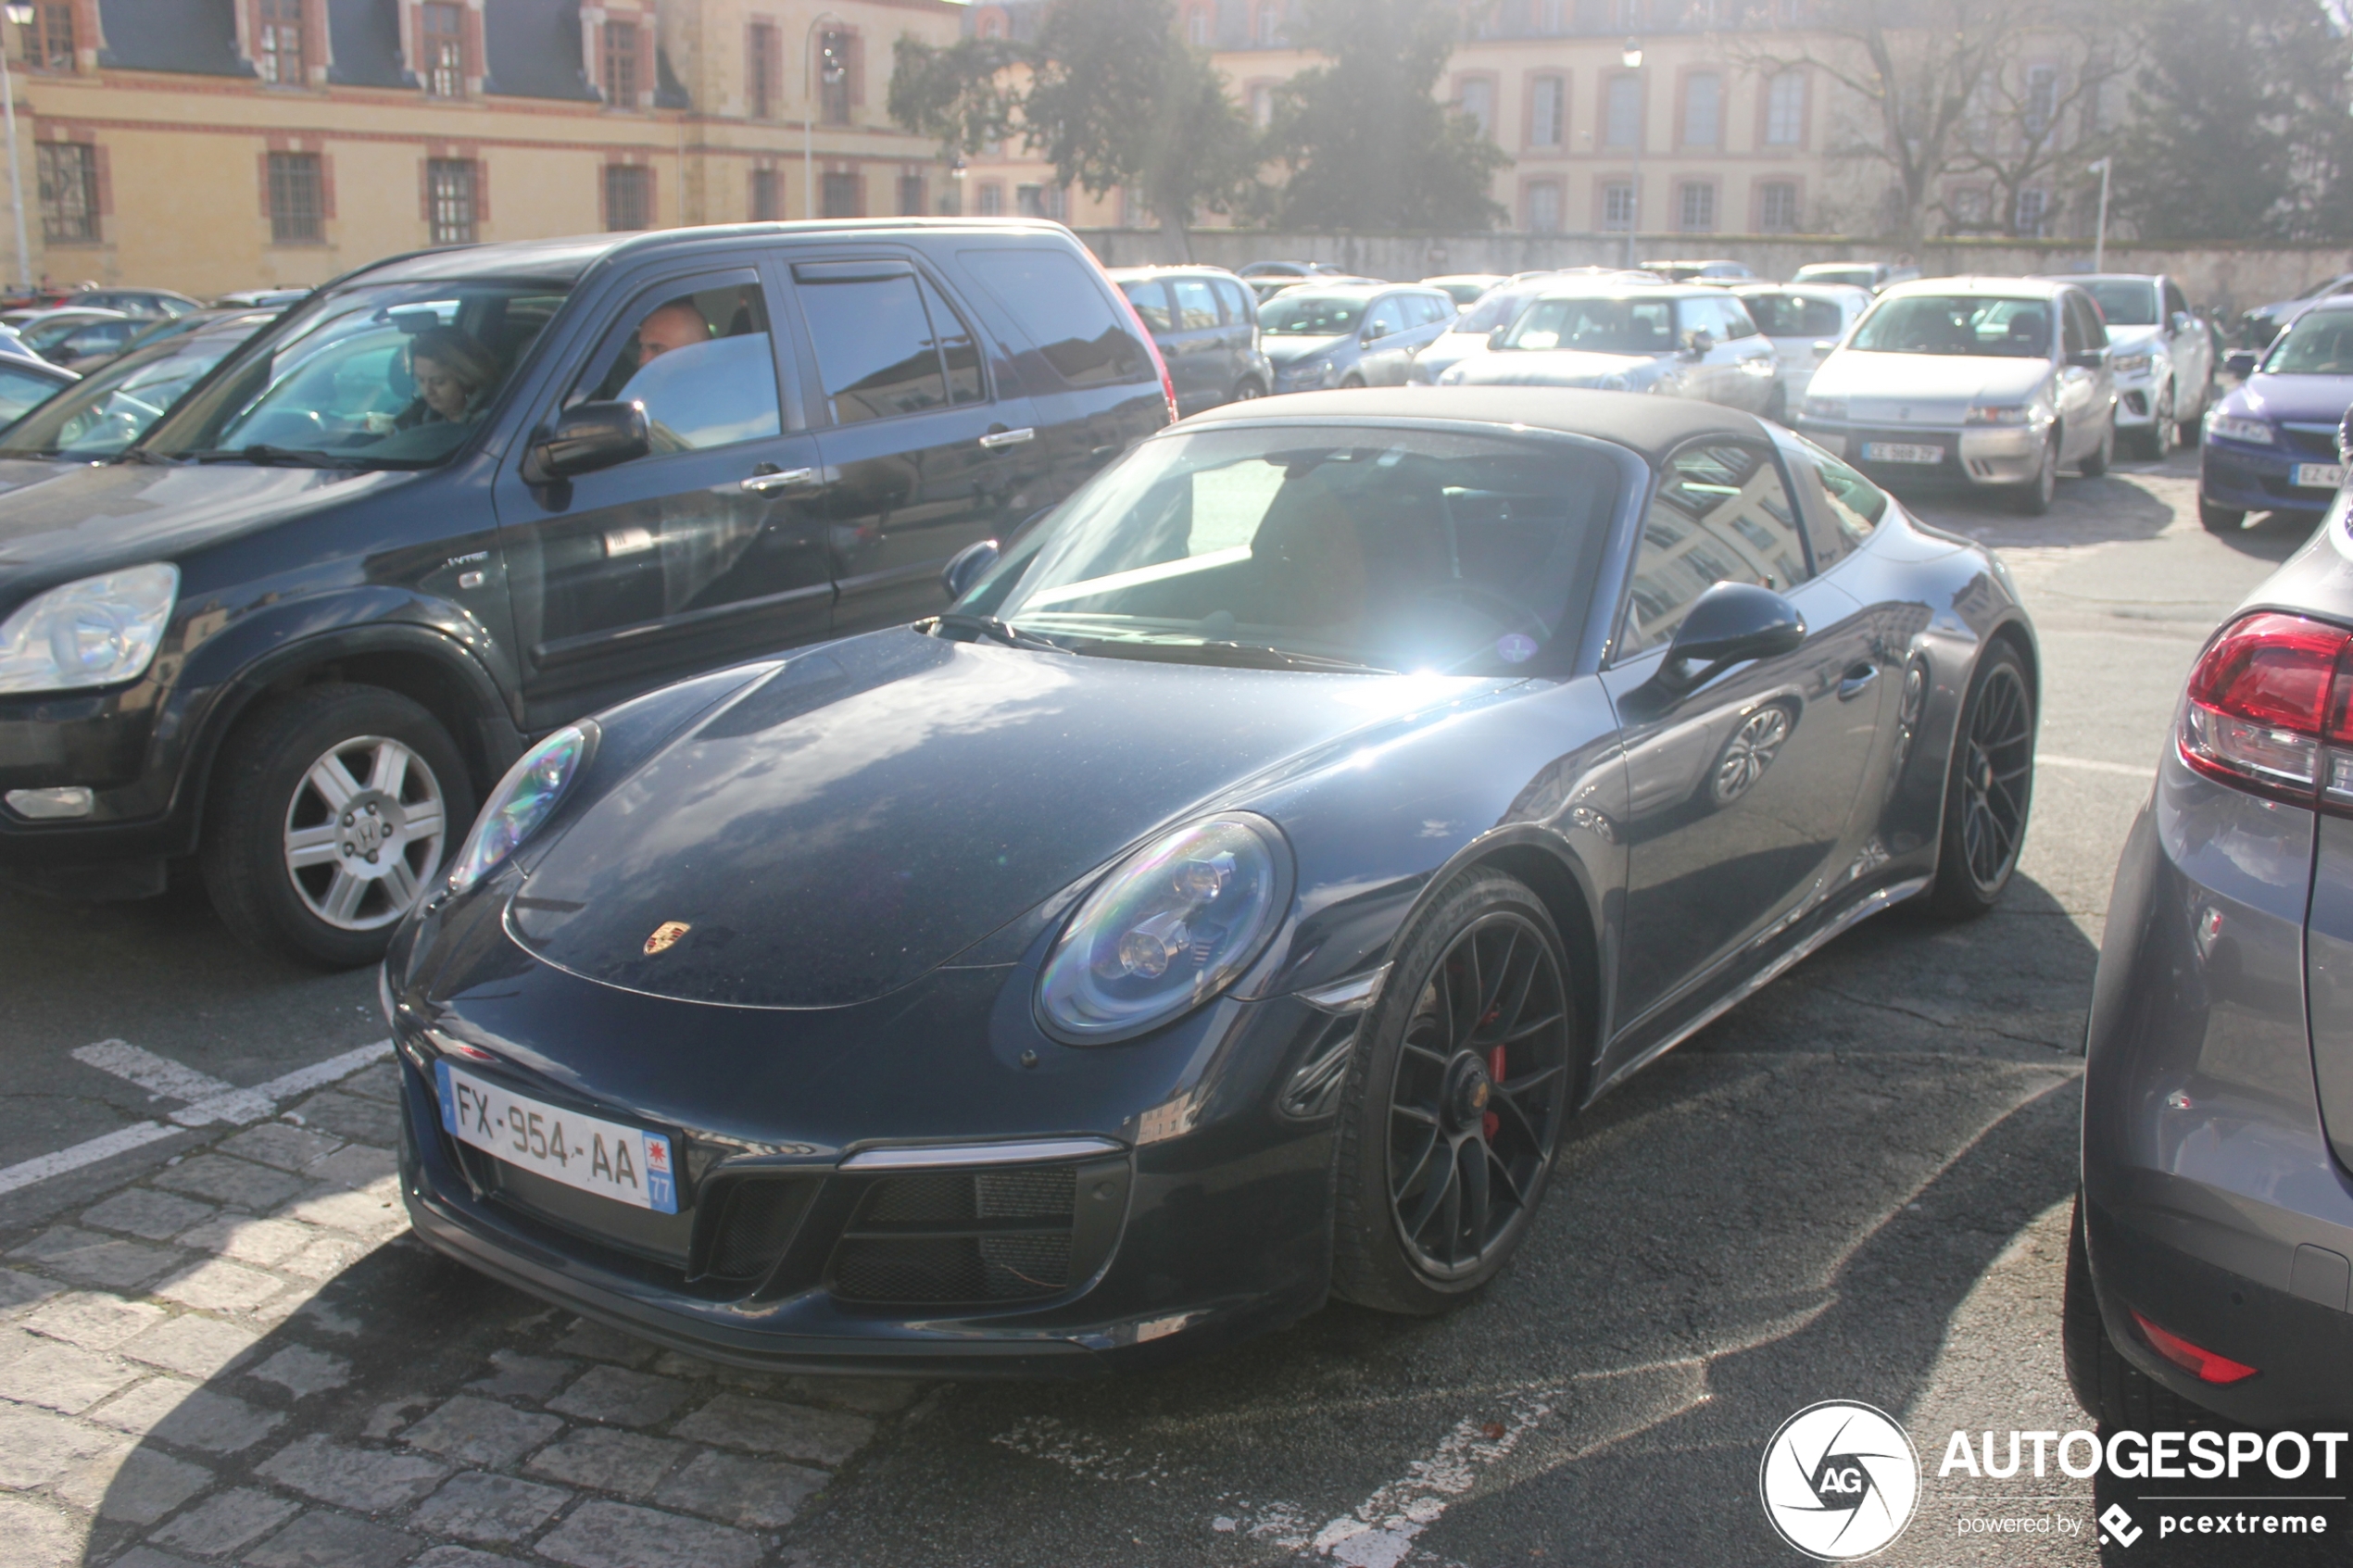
390	375
1988	325
1418	550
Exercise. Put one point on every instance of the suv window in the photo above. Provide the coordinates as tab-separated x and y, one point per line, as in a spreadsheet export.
1850	505
1720	515
1385	318
1058	303
1738	322
2176	303
700	359
1237	298
886	344
1151	300
1196	303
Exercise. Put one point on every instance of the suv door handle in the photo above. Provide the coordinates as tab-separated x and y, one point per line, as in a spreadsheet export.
769	483
997	438
1856	682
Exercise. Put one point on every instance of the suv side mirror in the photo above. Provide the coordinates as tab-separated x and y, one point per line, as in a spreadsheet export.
964	568
2240	362
2088	358
1375	332
1698	344
1824	347
589	436
1730	622
1496	339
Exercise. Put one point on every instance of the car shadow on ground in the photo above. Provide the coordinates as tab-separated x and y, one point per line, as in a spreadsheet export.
2271	536
2116	507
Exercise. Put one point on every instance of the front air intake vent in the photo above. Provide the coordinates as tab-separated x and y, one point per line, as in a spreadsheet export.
972	1238
755	1225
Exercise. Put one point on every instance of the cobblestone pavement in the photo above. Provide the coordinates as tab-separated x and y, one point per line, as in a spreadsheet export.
245	1358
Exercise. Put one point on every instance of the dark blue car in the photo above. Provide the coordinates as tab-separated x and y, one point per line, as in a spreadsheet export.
2270	444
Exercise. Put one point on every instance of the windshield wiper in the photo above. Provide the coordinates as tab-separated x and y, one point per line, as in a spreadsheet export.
1238	656
266	456
995	631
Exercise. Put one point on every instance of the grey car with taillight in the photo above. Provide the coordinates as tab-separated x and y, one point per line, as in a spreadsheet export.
2211	1263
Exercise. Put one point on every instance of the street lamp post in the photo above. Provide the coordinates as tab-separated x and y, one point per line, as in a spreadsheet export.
20	14
2099	235
811	77
1633	59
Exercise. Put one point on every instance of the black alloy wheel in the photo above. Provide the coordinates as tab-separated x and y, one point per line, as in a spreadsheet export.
1454	1106
1991	788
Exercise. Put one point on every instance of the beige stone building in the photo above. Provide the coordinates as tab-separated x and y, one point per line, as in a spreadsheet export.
217	144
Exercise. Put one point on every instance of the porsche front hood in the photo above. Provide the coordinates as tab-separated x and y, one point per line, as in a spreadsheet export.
879	806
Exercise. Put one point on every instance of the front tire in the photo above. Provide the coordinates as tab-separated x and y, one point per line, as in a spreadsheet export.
1777	406
2096	462
1351	382
2218	520
1247	389
1988	789
2158	443
332	809
2035	498
1453	1109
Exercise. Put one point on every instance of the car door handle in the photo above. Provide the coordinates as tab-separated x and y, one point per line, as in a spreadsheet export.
1856	682
769	483
997	438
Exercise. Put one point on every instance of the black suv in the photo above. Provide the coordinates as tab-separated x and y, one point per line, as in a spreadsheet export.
460	498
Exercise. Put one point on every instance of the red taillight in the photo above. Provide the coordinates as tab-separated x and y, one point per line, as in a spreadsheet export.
1143	335
2199	1363
2267	708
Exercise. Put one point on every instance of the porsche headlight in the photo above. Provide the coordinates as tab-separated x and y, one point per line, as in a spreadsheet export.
1172	925
97	632
524	799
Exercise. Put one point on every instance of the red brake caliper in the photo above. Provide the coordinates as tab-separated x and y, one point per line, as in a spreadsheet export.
1495	1071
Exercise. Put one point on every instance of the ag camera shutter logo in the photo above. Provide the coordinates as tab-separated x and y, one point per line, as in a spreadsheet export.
1839	1480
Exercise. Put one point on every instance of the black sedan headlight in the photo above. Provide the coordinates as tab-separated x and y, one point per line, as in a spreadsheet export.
1172	926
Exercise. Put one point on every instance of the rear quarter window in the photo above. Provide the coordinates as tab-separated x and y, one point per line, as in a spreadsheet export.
1057	302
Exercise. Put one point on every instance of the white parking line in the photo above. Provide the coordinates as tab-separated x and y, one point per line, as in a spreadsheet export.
229	1104
2129	770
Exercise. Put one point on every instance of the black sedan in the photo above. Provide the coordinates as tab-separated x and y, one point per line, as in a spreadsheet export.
1229	904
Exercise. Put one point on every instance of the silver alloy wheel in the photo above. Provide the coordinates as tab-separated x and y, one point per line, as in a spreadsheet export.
1749	753
364	832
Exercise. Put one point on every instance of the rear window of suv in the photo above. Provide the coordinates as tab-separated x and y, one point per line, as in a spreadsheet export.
1064	312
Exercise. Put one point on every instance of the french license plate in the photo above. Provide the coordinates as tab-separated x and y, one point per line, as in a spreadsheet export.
1900	452
628	1164
2318	476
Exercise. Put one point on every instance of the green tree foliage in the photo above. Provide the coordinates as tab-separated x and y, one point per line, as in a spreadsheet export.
1112	97
1363	140
2241	124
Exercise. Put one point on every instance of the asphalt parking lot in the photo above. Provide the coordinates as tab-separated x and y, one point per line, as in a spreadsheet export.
216	1345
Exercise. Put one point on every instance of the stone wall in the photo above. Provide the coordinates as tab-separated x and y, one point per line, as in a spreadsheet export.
2226	277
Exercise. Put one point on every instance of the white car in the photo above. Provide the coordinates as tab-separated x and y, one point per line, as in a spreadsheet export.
1670	338
1988	383
2162	353
1497	308
1804	322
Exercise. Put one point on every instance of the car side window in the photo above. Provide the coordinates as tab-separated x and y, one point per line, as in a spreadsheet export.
21	390
1384	319
1151	300
1719	514
1196	303
1057	301
1738	322
698	353
2176	302
1236	302
887	344
1842	507
2071	339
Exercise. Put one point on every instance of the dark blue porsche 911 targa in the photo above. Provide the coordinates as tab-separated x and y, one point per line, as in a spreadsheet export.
1227	904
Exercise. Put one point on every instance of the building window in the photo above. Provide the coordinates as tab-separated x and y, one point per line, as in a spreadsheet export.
1785	109
279	57
764	206
629	197
911	196
1546	99
1629	13
759	71
2033	212
1698	213
842	196
1703	109
1544	207
1262	107
1551	16
1790	12
68	191
48	38
1479	105
1041	201
298	207
1270	24
2041	98
449	200
833	77
1968	208
1624	128
993	25
1617	204
1777	208
444	48
620	65
1196	27
992	200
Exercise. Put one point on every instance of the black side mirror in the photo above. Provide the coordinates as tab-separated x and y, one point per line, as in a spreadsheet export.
589	436
1495	339
2088	358
965	566
1824	348
2240	362
1730	622
1698	344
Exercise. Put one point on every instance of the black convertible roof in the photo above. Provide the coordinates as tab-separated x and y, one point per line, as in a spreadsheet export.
1653	426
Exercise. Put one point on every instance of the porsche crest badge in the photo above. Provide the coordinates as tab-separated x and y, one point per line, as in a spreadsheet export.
666	936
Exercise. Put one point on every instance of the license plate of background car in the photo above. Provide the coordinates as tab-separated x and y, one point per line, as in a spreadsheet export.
628	1164
1900	452
2318	476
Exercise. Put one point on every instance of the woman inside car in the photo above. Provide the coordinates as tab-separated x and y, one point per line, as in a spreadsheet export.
452	373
